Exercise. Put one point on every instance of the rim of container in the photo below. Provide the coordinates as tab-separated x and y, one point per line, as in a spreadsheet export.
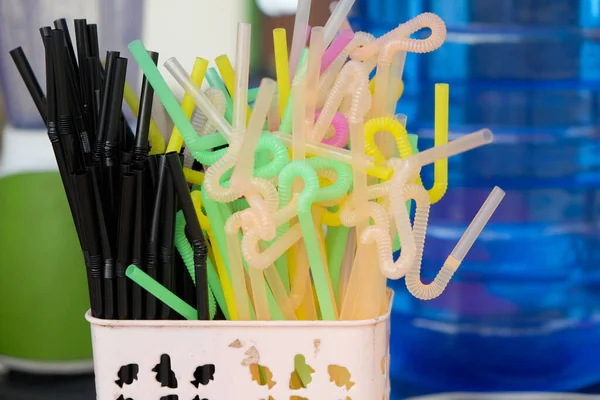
242	324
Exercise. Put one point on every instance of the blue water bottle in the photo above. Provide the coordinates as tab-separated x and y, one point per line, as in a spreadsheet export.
522	312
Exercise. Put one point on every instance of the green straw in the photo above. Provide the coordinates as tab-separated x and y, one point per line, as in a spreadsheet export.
187	255
215	81
252	93
276	314
217	222
161	293
194	142
337	237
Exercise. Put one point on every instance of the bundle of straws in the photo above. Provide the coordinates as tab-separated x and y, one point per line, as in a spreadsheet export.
287	201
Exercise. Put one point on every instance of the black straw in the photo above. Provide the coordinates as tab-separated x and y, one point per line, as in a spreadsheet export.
140	149
195	234
169	214
31	82
124	245
152	251
66	129
63	26
109	79
138	244
92	247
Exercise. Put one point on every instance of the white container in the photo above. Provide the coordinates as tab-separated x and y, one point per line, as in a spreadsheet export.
350	359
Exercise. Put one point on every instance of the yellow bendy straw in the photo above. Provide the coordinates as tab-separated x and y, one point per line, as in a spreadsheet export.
282	67
156	137
440	174
228	74
220	263
188	105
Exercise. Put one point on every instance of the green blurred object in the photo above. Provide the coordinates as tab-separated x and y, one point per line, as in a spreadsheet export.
43	285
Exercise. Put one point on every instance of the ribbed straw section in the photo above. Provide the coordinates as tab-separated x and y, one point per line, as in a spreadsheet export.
403	32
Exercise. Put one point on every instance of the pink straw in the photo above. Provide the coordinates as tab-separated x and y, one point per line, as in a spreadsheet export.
336	48
308	30
340	124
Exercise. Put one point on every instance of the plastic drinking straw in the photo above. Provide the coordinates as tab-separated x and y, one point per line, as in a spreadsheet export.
274	310
195	177
460	145
317	47
203	102
357	137
440	184
229	77
476	226
340	125
345	24
337	18
395	129
156	137
316	149
336	240
187	105
187	254
405	44
223	273
435	289
348	260
252	93
193	141
361	99
217	222
242	171
287	119
214	80
306	310
299	119
257	280
242	67
31	82
303	206
274	117
336	48
414	144
299	37
396	73
160	292
239	92
336	154
282	67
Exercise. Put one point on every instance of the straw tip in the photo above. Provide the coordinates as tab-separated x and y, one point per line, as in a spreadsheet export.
487	135
135	44
131	271
498	192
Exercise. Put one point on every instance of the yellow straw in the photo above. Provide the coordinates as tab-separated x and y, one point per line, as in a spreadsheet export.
228	74
282	67
156	137
440	174
220	264
400	88
195	177
188	105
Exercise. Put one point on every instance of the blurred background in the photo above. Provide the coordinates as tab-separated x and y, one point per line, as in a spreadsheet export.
523	311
